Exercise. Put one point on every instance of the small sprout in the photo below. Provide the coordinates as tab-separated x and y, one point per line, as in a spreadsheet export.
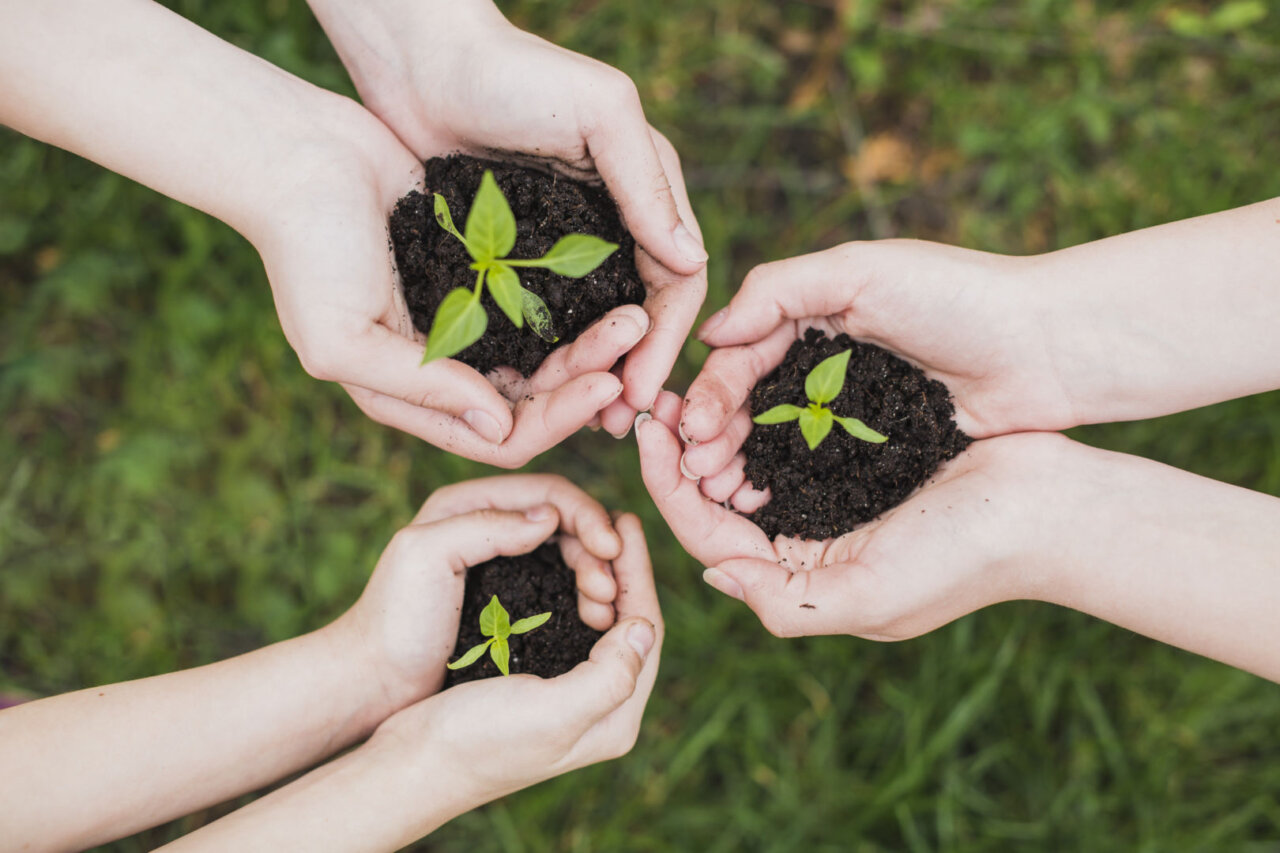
821	386
496	624
490	235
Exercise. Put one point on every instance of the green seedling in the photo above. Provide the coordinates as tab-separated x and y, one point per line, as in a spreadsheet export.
496	624
821	386
490	235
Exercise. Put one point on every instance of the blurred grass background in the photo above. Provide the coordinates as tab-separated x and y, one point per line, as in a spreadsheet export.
174	489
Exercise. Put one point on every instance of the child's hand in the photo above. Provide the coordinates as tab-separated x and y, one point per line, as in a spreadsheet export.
948	550
406	622
457	76
963	316
501	734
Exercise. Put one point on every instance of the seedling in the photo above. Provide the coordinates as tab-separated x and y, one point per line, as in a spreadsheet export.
490	235
496	624
821	386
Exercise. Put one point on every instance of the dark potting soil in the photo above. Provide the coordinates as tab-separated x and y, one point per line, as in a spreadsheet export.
826	492
546	207
526	585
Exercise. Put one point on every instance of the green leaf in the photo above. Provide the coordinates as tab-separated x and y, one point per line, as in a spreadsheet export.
573	255
528	623
504	284
445	220
491	227
814	426
494	620
459	323
473	654
824	382
778	415
501	655
858	429
539	316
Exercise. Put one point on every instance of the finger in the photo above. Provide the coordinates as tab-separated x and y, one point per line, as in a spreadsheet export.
673	301
540	423
633	573
581	516
594	578
721	486
473	537
618	139
747	498
384	362
789	604
617	418
711	457
816	285
602	683
666	408
707	530
594	351
722	386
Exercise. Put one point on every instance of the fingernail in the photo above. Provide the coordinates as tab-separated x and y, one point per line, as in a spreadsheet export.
684	436
688	245
541	512
714	322
722	582
623	434
641	418
484	425
685	470
640	637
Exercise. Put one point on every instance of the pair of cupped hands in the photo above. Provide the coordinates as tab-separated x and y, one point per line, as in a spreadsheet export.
961	315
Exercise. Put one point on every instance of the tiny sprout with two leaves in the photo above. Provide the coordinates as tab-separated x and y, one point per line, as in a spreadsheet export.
496	624
821	386
490	235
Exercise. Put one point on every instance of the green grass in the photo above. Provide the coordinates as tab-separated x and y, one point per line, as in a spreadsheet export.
174	490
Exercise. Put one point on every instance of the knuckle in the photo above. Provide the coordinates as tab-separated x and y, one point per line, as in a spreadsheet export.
321	363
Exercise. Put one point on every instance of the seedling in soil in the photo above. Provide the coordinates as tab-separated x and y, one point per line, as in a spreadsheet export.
821	386
490	235
495	623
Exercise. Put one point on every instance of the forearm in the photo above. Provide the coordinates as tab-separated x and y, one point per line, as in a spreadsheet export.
1183	559
148	94
101	763
1167	318
375	798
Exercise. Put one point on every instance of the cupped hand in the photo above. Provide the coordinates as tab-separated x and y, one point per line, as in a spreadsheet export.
956	545
342	309
458	77
502	734
970	319
405	623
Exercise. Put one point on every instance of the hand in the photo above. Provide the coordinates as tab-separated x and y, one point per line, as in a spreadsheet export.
951	548
325	250
450	76
406	621
966	317
502	734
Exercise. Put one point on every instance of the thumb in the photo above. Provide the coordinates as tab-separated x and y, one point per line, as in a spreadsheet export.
391	364
473	537
602	683
626	156
816	285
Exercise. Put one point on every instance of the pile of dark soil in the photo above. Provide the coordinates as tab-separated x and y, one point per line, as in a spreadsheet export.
526	585
826	492
546	207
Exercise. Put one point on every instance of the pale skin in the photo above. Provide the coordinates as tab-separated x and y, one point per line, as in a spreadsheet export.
309	179
87	767
1134	326
448	75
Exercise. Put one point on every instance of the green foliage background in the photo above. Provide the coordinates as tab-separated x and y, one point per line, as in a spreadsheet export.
174	489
